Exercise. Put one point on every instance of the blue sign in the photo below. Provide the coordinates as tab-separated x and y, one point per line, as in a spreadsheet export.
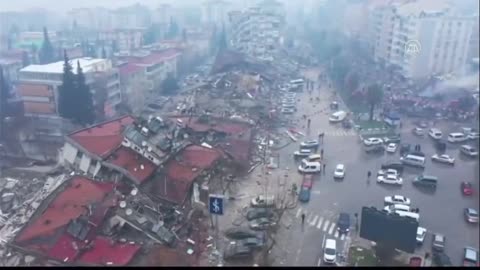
215	204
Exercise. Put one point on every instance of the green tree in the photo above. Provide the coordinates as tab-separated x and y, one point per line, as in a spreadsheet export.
47	53
84	110
170	85
66	91
374	97
352	82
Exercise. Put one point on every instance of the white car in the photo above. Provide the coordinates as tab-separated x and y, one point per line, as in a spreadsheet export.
309	167
262	201
390	179
468	150
397	199
473	135
421	233
418	131
391	148
330	251
435	133
387	172
443	159
339	171
372	141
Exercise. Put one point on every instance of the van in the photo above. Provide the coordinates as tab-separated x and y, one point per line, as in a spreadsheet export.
330	251
456	137
415	216
413	160
395	207
309	167
337	116
468	150
426	181
435	133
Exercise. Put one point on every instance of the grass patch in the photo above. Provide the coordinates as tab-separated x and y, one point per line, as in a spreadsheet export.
358	256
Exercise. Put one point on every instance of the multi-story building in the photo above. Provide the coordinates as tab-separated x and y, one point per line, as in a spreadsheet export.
125	39
258	31
131	17
421	38
92	18
38	87
134	85
215	12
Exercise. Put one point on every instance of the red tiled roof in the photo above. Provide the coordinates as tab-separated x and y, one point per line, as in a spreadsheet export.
102	138
103	253
222	125
73	202
238	149
130	68
181	174
131	161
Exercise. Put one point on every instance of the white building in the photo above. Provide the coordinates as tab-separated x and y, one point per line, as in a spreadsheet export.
258	31
215	12
422	38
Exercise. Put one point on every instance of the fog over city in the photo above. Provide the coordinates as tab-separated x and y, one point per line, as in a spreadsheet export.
239	133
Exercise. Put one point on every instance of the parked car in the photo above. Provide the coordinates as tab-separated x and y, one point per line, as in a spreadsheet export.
375	148
252	242
467	188
330	251
438	243
304	195
435	133
237	251
302	153
443	159
339	171
309	144
471	215
468	150
343	223
441	259
398	166
384	173
255	213
394	139
372	141
422	124
309	167
390	179
425	181
418	131
307	181
473	135
262	201
397	199
391	148
238	233
261	224
421	233
470	257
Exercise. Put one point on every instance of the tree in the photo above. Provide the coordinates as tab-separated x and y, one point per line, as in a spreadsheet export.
47	54
352	81
25	59
66	90
374	97
84	110
169	85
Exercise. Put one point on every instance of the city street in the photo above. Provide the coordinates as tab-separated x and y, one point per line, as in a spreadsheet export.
440	212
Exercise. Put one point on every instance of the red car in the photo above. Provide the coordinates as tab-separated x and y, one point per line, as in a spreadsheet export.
307	181
467	188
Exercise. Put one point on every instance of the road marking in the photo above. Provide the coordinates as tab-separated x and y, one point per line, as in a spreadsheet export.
336	234
342	237
316	192
331	228
319	225
325	227
309	217
299	211
314	221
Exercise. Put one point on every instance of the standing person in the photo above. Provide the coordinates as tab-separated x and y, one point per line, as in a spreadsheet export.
321	153
308	122
369	173
303	218
324	165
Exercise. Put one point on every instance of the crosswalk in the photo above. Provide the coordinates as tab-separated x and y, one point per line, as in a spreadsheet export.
321	223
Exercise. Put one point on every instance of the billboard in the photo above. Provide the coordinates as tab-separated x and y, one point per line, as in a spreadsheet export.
388	229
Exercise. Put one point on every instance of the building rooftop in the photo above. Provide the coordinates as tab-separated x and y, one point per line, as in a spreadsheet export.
102	139
137	167
88	65
415	8
129	68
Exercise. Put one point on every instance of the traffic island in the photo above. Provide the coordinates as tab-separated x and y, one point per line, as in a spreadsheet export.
359	256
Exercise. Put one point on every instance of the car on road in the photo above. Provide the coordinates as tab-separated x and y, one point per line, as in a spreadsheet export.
391	148
304	195
473	135
330	251
238	233
372	141
441	259
418	131
314	157
397	166
470	257
443	159
396	207
375	148
237	251
393	139
435	133
343	223
421	233
302	153
390	179
261	224
262	201
288	110
255	213
309	144
467	188
397	199
438	243
309	167
337	117
425	181
307	181
471	215
387	172
339	171
456	137
422	124
251	242
468	150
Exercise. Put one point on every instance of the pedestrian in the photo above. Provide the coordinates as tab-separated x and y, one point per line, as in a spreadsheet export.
308	122
303	218
324	165
369	173
321	153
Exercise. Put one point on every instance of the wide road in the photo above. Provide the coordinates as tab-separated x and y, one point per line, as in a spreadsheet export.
440	212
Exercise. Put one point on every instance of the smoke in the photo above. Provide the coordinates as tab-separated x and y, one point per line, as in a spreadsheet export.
465	82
